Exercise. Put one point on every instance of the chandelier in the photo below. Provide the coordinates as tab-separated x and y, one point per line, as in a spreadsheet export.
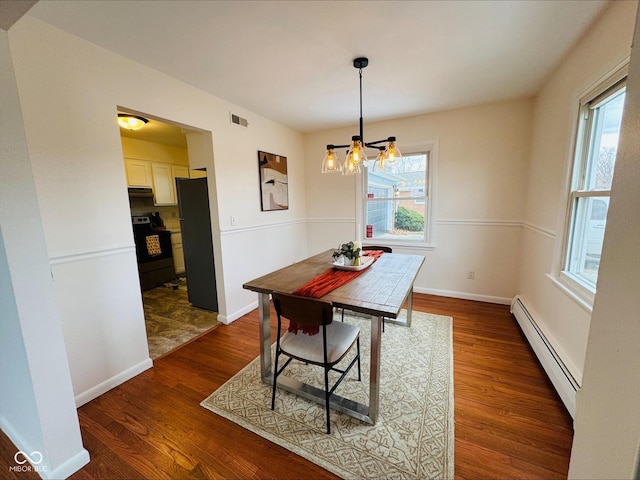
356	154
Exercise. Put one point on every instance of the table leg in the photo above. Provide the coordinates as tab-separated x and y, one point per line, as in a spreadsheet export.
374	374
409	306
265	337
406	322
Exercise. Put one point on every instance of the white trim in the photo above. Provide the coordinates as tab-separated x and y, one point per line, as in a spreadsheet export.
254	228
481	223
542	231
64	470
69	467
465	296
331	220
82	256
399	244
227	319
607	80
112	382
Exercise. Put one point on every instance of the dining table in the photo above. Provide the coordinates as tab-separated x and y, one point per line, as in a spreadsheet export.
379	291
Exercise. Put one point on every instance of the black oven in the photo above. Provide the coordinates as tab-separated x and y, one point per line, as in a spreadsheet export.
154	254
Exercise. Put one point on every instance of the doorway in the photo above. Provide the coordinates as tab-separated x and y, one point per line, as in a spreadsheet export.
155	156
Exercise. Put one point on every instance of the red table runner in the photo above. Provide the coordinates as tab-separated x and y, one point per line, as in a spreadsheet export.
327	282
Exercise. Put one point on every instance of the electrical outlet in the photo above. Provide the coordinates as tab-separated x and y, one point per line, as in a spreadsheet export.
471	274
233	220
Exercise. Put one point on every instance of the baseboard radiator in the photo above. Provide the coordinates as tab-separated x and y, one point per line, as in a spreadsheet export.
563	381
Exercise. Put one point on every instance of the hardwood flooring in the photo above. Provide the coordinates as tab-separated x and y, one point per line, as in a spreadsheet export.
509	422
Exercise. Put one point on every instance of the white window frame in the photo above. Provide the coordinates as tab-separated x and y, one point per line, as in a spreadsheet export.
428	240
573	284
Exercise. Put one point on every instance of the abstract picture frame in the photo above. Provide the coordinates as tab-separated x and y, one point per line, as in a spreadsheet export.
274	183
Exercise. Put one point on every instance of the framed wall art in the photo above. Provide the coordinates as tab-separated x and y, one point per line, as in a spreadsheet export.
274	192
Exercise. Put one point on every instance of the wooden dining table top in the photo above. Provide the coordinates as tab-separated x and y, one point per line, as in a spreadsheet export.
380	290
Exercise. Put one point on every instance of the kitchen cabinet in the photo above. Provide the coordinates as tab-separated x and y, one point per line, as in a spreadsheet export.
163	191
138	173
197	173
164	182
178	252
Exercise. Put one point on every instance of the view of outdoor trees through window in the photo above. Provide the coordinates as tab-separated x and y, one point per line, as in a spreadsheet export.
396	199
593	173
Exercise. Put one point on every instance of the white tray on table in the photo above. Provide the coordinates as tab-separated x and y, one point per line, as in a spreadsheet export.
365	262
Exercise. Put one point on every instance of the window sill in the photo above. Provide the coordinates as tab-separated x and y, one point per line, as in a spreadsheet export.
399	245
574	291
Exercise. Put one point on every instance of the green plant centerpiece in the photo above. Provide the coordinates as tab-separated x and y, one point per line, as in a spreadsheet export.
350	252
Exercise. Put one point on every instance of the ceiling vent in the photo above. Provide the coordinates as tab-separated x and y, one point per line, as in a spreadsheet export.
238	120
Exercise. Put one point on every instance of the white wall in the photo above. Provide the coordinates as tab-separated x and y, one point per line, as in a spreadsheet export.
69	92
481	183
564	321
37	410
607	427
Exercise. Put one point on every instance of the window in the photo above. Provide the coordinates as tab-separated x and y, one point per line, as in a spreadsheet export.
596	148
396	203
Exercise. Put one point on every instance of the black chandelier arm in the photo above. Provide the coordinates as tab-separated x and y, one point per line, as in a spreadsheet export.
329	147
376	142
373	144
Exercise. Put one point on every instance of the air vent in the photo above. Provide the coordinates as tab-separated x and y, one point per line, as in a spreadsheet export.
238	120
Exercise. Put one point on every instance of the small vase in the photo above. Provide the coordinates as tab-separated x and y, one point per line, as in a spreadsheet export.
347	262
357	262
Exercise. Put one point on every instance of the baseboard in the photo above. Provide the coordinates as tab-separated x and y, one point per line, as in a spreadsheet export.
112	382
227	319
66	469
562	379
16	438
464	296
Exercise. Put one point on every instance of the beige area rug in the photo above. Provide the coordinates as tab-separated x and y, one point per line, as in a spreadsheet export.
413	437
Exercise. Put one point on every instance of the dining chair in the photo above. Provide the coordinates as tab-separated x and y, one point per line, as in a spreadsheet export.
374	247
325	349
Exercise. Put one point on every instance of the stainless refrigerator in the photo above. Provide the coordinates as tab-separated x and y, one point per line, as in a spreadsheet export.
197	242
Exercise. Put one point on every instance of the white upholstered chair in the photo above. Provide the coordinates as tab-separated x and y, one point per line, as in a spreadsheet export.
325	348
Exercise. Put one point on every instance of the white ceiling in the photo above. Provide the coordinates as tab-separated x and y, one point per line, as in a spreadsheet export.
291	61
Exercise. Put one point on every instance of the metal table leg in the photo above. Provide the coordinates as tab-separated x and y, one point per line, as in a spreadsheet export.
265	337
407	321
374	374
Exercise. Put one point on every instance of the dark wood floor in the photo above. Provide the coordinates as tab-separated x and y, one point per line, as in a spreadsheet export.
509	422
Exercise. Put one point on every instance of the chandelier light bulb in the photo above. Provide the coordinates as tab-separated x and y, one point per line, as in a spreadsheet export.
330	163
356	153
380	160
350	167
393	152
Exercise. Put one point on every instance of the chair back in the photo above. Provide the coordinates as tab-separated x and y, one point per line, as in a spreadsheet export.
303	310
377	247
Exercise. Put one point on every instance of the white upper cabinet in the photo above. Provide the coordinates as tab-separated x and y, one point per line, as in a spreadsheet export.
163	192
164	182
138	172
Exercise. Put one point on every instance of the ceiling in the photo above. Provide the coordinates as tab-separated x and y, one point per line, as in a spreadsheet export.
11	11
291	61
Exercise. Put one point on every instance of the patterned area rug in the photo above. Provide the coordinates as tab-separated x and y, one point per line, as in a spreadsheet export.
413	437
